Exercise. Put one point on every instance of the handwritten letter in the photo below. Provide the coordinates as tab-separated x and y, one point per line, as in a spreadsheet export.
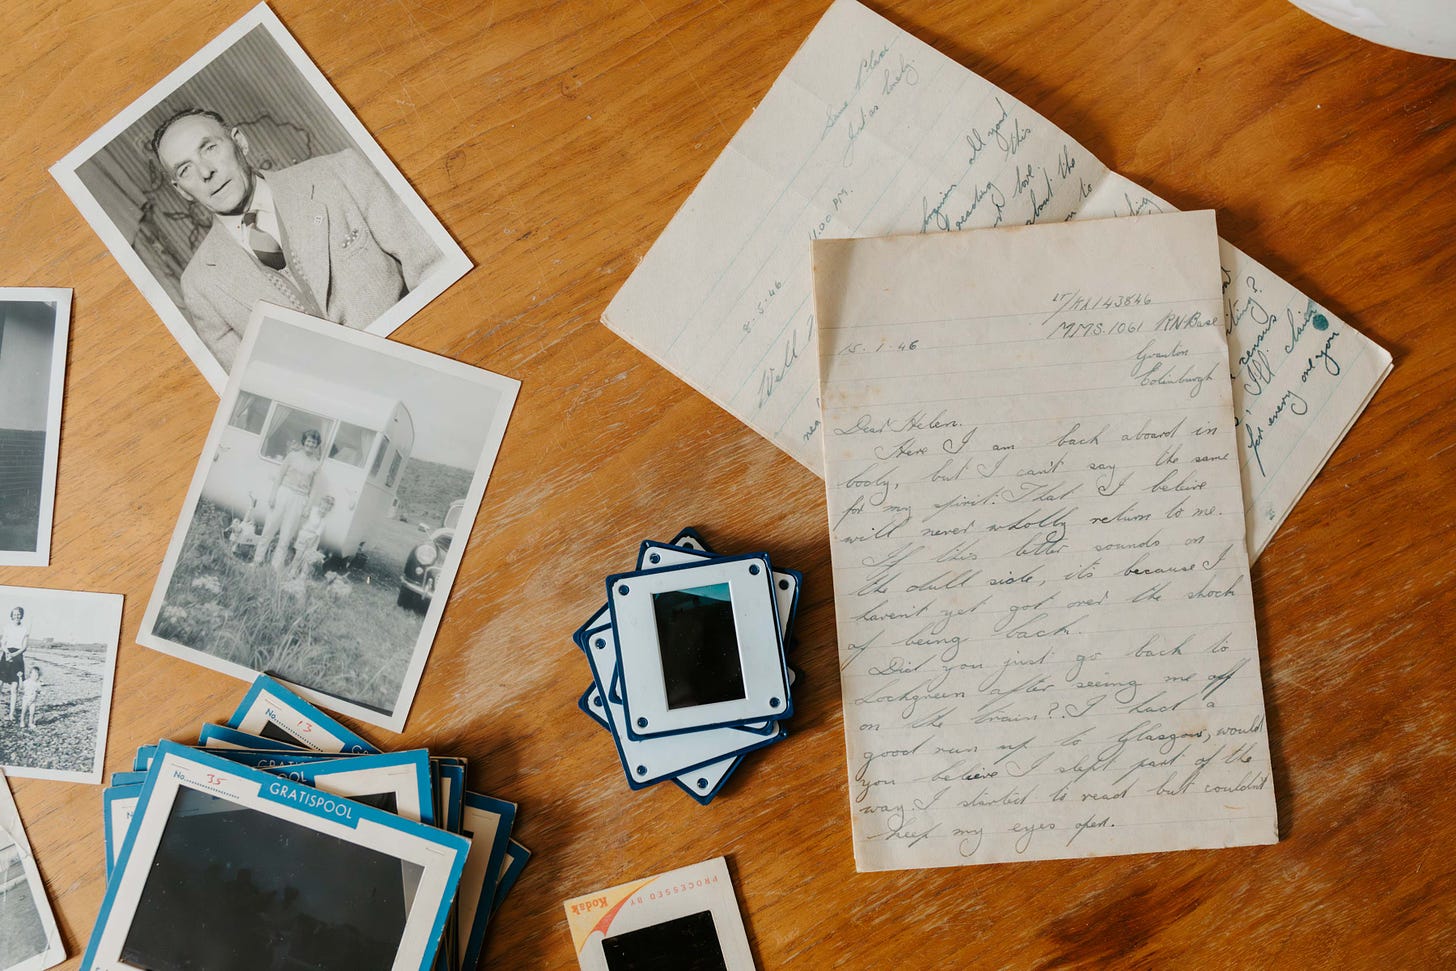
870	132
1301	376
1045	622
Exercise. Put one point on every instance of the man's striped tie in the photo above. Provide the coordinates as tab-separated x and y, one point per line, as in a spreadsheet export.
264	246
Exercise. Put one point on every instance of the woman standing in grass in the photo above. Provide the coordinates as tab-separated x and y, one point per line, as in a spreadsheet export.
14	639
292	487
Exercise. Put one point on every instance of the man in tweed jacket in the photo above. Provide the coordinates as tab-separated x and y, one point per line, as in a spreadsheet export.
326	236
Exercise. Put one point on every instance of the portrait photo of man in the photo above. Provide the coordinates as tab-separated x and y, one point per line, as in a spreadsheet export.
243	178
325	236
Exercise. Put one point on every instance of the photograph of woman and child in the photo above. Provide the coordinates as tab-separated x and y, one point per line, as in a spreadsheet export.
295	513
57	656
327	514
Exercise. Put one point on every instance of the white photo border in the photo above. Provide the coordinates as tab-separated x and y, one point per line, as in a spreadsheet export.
113	602
453	264
10	824
55	397
507	388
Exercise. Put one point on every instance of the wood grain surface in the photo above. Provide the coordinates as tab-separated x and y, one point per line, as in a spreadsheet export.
555	140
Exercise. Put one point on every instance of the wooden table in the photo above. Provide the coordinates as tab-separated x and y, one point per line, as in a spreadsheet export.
555	140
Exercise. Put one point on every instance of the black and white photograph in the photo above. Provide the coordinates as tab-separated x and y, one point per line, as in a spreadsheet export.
29	940
244	177
326	519
57	661
34	324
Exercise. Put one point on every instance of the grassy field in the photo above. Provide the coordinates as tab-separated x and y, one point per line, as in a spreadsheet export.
426	490
341	634
67	713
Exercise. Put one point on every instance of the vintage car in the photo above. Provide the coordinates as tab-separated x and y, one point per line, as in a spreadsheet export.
366	438
422	566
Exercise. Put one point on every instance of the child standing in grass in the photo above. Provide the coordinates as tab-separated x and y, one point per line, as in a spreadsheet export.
305	548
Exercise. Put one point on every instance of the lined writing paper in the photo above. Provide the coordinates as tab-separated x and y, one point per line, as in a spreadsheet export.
1046	628
870	132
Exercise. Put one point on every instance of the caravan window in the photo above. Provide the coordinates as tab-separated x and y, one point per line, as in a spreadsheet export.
286	429
379	456
394	465
250	412
351	445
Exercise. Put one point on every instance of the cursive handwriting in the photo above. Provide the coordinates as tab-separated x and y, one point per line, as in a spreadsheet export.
1037	523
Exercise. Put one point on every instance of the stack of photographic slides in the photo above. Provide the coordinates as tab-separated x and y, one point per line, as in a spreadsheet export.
688	662
686	920
283	839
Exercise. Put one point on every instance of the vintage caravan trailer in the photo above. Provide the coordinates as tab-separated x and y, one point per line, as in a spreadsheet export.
367	439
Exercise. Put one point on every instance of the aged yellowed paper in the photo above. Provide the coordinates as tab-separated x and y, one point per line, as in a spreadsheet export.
869	132
1046	628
